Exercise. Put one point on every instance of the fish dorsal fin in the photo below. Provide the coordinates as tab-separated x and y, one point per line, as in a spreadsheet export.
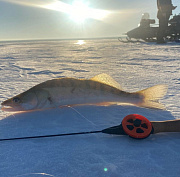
106	79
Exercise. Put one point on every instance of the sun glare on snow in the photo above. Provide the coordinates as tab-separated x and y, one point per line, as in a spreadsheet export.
80	42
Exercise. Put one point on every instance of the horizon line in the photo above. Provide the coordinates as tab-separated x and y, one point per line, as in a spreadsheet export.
49	39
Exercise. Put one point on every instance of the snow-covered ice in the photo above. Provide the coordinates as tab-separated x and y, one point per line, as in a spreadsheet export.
135	66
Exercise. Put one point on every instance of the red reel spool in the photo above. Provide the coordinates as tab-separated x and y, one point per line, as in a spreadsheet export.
137	126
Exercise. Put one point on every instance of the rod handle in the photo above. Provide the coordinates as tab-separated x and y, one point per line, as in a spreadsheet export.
166	126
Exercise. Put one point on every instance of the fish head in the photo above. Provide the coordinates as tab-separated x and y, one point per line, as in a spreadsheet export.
30	100
22	102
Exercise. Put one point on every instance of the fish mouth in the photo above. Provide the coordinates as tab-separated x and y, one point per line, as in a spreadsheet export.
9	108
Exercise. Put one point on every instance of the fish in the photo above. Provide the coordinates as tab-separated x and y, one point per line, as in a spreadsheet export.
101	90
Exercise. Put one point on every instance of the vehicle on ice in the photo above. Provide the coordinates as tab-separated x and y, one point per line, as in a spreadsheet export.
147	30
167	30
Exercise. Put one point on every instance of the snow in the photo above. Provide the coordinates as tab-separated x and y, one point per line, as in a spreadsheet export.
135	66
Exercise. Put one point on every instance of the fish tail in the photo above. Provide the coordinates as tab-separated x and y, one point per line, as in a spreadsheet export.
151	97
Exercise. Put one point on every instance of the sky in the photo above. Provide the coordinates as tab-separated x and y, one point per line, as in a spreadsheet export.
66	19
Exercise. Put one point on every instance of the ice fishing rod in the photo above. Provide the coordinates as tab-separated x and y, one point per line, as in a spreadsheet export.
134	125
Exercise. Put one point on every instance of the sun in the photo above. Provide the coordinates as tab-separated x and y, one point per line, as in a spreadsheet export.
81	11
78	11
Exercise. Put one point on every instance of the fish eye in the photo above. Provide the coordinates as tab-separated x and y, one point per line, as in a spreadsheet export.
16	100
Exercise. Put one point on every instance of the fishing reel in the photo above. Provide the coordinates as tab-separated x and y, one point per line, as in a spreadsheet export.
137	126
134	125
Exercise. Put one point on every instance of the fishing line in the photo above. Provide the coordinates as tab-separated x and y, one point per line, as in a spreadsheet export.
43	174
82	115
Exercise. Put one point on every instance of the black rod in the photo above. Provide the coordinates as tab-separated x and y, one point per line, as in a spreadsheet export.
47	136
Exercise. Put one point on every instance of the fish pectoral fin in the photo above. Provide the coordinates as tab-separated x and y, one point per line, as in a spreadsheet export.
106	79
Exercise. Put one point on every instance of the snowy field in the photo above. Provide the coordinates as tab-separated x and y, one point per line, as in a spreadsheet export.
134	66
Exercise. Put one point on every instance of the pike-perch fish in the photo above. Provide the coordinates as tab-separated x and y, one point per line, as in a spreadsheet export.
99	90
